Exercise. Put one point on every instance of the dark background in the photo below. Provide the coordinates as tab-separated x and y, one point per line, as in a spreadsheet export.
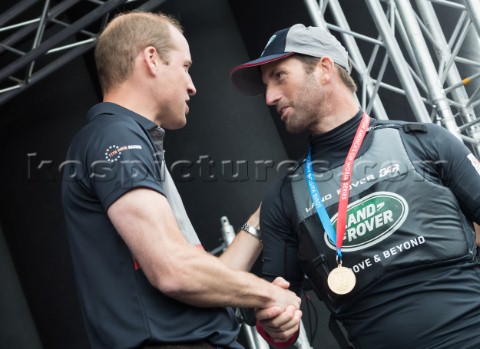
38	301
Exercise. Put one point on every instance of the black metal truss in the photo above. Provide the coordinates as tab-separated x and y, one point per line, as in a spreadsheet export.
38	37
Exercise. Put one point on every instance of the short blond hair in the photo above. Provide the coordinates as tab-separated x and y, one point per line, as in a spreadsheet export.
127	35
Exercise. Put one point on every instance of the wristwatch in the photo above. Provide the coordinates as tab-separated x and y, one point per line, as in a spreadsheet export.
252	231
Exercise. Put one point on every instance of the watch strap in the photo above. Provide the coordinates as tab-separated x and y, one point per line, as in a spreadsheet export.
252	231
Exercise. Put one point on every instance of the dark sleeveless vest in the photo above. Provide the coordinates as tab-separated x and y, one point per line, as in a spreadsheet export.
398	220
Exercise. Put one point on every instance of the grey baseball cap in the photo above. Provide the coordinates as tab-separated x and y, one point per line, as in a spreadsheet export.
311	41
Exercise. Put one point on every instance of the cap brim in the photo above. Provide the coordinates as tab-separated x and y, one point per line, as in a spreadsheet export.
247	77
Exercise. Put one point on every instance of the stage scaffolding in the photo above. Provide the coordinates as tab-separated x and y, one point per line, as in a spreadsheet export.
33	48
440	84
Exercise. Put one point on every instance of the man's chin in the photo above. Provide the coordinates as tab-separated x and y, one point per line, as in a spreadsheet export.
294	129
175	125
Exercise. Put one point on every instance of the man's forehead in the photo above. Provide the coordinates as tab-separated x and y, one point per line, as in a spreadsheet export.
280	64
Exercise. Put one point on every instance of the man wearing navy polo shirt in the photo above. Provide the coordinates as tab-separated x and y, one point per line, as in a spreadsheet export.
143	279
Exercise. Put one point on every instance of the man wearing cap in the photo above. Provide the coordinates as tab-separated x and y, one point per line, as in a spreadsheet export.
378	215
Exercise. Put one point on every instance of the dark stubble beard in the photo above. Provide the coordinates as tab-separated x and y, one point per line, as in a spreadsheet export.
307	106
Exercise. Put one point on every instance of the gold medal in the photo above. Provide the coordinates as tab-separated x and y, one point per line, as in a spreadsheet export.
341	280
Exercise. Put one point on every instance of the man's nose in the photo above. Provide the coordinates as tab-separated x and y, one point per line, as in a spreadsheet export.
271	95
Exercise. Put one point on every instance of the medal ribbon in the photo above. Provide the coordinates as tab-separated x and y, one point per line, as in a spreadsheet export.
338	236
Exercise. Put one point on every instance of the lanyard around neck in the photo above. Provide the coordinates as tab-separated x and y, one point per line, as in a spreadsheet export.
346	179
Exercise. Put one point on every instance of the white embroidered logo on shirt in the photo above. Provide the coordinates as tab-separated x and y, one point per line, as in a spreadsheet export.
114	152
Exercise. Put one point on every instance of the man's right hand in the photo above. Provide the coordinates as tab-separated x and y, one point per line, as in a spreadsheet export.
281	323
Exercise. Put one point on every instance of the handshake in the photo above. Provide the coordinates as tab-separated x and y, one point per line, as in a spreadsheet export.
280	323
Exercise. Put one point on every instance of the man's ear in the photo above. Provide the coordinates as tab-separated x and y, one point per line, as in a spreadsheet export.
326	67
327	63
151	59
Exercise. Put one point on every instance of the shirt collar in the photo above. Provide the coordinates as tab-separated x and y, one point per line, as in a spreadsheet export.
112	108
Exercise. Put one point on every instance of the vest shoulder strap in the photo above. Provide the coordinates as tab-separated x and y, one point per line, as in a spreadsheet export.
407	127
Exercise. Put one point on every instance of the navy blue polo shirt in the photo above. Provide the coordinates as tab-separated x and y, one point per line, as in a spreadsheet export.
111	155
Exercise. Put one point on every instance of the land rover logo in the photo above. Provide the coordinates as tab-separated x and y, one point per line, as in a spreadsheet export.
371	219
